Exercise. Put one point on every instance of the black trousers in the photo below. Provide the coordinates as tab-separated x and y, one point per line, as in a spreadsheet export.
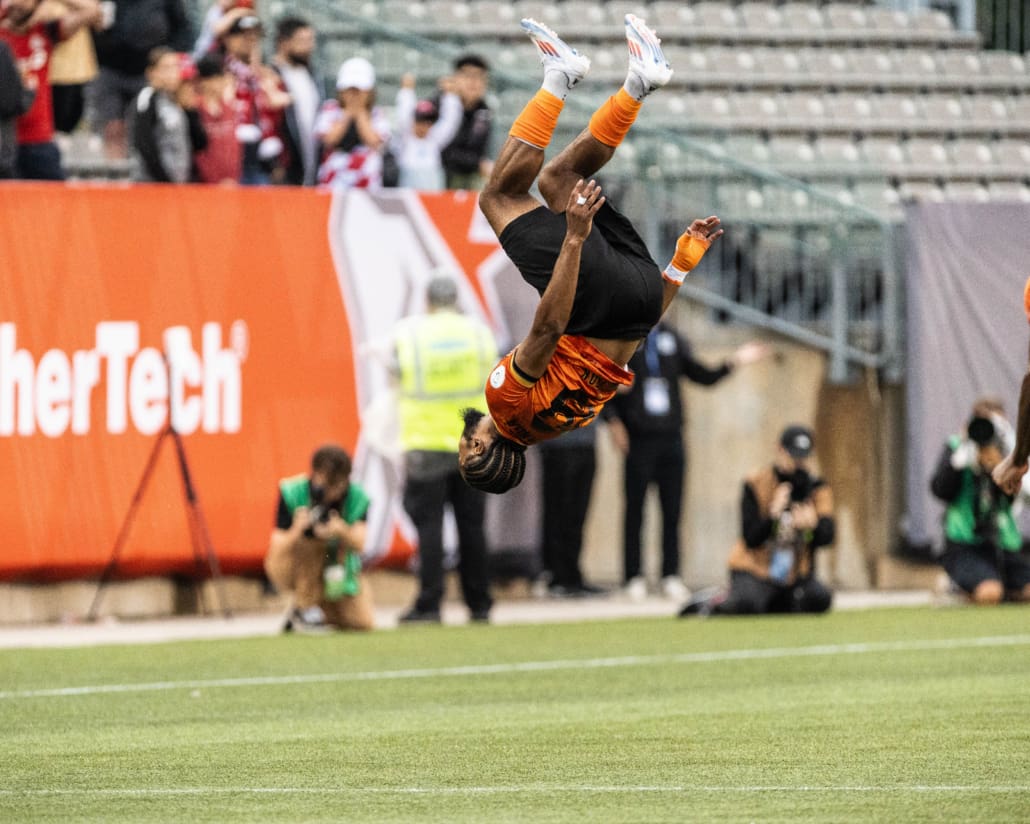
568	478
750	595
661	461
424	501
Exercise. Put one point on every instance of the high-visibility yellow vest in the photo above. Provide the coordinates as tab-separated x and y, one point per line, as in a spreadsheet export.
444	359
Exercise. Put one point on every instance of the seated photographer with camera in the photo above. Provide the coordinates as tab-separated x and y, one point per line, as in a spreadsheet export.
315	550
786	514
982	548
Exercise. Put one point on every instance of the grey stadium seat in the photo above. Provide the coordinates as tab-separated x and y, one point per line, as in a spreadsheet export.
760	18
881	198
1008	191
804	19
779	67
894	113
832	65
847	19
756	111
971	158
915	67
546	13
920	191
927	158
671	18
584	18
750	149
793	155
1019	114
848	112
941	113
986	114
884	154
888	24
802	112
715	19
1012	157
837	156
873	68
966	192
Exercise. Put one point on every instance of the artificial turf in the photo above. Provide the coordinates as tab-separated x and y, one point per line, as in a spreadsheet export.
901	715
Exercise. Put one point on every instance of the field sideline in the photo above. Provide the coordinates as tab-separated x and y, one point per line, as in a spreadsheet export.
915	714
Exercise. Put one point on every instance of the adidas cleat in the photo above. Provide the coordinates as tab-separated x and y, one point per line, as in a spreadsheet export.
556	54
646	58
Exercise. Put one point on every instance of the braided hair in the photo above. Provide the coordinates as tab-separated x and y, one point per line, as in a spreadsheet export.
500	467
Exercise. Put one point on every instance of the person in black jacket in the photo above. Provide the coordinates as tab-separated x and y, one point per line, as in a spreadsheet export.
646	424
123	49
464	158
165	134
15	99
294	47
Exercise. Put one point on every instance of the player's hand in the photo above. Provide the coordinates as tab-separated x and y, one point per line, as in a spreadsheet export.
584	202
805	516
706	230
1008	475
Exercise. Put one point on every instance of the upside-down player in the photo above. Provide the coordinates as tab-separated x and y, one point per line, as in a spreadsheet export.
600	290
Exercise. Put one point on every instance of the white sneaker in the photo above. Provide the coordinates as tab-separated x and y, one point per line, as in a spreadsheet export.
555	53
646	59
674	589
636	589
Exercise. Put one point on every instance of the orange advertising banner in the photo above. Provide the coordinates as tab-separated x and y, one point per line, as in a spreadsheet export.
246	318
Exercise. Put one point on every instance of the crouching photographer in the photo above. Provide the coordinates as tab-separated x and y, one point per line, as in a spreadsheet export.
786	514
315	550
982	549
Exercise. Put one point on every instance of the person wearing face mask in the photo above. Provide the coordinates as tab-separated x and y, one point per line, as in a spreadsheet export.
786	514
982	542
294	46
316	547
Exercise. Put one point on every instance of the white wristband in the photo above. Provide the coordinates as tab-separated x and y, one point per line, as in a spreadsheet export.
674	275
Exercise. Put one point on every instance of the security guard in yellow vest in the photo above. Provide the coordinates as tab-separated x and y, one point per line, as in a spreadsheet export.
443	359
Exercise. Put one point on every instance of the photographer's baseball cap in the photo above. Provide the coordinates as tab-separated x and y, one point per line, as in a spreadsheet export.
798	441
356	73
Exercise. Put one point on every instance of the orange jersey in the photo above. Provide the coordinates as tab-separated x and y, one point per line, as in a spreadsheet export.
1026	299
579	380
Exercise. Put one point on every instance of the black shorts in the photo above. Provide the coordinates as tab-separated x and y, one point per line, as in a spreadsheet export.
969	566
620	288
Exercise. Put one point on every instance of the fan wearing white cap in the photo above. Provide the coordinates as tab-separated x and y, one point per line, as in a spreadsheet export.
352	131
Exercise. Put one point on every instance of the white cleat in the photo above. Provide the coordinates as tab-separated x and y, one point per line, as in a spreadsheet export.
555	53
646	58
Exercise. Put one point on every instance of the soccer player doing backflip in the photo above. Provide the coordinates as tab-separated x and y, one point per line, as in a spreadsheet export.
600	290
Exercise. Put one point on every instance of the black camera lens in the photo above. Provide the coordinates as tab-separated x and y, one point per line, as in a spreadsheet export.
980	430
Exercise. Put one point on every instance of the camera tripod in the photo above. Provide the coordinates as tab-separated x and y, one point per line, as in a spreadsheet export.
200	539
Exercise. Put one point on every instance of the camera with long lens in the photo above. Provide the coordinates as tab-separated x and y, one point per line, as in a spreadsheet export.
981	430
319	511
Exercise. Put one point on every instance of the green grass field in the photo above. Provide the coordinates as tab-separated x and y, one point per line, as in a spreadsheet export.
889	715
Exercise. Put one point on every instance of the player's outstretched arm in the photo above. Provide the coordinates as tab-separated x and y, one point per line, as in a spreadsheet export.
690	248
555	308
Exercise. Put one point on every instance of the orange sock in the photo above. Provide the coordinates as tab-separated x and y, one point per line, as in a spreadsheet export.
535	125
612	120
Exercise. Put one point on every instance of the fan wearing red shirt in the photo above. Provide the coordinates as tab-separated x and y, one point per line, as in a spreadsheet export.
31	39
600	289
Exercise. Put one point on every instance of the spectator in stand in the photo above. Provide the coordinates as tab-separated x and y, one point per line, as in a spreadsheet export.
260	101
16	96
423	128
221	160
646	424
164	132
465	159
316	547
294	46
32	43
569	464
72	67
124	43
217	22
352	130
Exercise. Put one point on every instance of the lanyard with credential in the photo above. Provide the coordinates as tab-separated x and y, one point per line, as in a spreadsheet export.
651	354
